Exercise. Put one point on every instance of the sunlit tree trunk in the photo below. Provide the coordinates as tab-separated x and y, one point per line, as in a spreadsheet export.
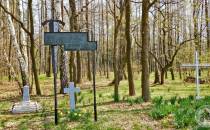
32	49
20	57
88	53
128	49
73	27
145	50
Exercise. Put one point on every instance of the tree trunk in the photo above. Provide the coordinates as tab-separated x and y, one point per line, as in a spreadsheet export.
20	57
128	49
63	70
73	27
172	74
79	68
157	75
115	58
48	65
32	49
63	57
180	72
23	37
11	68
195	22
145	50
10	51
107	41
88	53
162	76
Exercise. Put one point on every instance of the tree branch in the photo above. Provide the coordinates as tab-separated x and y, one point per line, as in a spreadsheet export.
152	3
17	20
150	52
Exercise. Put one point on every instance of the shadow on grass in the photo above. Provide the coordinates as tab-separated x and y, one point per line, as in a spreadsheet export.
11	99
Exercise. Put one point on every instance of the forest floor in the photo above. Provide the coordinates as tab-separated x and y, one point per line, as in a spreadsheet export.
130	113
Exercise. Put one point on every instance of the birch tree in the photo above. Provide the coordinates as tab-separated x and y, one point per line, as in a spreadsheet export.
63	56
20	57
23	36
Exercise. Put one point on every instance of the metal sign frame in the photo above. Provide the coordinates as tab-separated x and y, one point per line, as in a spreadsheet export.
84	45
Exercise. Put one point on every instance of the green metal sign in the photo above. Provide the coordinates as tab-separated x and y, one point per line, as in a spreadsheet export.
88	46
63	38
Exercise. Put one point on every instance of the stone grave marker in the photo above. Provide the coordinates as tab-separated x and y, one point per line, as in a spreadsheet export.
26	106
71	91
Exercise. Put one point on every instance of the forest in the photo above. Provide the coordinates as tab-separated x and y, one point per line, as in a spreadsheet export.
150	69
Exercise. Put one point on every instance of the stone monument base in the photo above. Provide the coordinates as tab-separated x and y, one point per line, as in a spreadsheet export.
25	107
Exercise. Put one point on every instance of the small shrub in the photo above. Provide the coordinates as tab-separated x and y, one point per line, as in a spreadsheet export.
116	98
139	100
158	100
173	100
202	128
184	117
100	95
185	102
191	97
130	101
161	111
74	115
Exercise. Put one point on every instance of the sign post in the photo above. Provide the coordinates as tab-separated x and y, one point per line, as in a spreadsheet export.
54	27
94	85
72	41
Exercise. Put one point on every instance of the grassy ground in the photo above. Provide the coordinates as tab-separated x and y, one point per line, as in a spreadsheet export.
128	114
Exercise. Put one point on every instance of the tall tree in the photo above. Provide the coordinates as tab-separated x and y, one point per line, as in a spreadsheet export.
196	11
87	28
48	48
78	55
107	40
117	23
73	27
23	36
32	49
63	56
145	33
20	57
128	52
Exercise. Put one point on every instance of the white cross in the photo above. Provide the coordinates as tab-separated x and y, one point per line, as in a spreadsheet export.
71	90
197	66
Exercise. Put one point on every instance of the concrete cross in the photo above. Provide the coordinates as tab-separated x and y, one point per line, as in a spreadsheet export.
26	96
71	90
196	66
